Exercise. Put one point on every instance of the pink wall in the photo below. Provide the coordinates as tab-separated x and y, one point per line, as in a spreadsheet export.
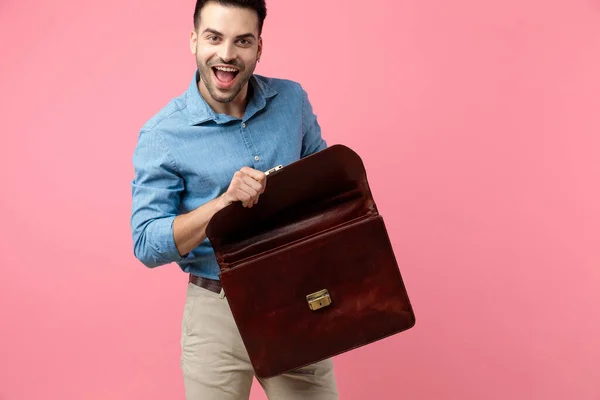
479	125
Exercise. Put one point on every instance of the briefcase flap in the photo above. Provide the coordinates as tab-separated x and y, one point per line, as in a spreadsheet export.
308	196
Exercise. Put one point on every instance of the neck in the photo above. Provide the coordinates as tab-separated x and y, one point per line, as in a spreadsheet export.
236	108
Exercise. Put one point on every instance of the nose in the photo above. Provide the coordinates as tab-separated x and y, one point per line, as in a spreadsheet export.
227	52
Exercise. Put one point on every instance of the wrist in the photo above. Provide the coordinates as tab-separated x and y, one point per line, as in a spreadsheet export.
221	202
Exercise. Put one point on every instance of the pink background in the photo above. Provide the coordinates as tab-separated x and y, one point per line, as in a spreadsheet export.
479	125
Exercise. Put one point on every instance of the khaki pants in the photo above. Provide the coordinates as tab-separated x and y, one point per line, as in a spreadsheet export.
215	362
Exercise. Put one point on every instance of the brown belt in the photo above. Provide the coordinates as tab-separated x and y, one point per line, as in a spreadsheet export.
208	284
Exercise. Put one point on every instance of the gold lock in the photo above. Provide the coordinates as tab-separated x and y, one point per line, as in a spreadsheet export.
318	299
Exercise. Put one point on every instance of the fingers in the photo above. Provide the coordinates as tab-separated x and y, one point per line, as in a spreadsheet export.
248	195
251	182
246	186
256	175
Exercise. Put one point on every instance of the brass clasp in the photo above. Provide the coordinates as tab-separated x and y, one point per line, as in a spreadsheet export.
277	168
318	299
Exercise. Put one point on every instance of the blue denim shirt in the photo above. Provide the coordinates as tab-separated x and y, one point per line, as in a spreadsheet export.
186	155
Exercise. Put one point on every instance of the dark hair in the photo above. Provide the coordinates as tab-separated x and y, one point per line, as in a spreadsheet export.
257	5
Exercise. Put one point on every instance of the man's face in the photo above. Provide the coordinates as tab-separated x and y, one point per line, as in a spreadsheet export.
227	47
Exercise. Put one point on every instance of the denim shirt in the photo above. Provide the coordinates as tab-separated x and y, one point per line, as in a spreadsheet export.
186	155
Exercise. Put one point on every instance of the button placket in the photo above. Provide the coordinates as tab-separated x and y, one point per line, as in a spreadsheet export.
248	143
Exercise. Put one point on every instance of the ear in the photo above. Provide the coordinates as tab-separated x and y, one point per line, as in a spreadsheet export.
193	41
260	48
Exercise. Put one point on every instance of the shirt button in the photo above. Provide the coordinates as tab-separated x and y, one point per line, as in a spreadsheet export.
243	124
256	158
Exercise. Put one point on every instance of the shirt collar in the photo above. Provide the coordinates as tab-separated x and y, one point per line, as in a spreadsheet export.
199	111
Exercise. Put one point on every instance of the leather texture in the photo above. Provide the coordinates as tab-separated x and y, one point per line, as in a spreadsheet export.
315	228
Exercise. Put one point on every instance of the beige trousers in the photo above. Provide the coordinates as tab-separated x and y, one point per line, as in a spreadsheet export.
215	362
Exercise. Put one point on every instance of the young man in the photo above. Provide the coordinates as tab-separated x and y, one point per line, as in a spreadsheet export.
204	150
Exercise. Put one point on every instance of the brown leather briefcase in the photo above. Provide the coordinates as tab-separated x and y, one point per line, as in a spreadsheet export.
309	272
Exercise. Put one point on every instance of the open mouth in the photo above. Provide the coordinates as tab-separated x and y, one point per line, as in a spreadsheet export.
225	75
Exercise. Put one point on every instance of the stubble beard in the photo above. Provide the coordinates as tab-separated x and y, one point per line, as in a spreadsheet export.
207	76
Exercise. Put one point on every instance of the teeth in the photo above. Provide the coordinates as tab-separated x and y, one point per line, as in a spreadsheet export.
226	69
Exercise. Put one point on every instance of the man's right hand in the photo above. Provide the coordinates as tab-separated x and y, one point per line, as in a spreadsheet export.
246	186
189	229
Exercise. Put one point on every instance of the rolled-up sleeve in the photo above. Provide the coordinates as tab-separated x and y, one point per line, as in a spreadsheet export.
312	141
156	193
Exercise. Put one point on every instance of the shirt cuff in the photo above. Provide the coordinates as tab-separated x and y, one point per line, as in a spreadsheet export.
164	242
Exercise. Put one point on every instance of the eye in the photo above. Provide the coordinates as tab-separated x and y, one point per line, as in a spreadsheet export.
213	38
244	42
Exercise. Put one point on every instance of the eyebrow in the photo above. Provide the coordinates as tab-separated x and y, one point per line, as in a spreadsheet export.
244	36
